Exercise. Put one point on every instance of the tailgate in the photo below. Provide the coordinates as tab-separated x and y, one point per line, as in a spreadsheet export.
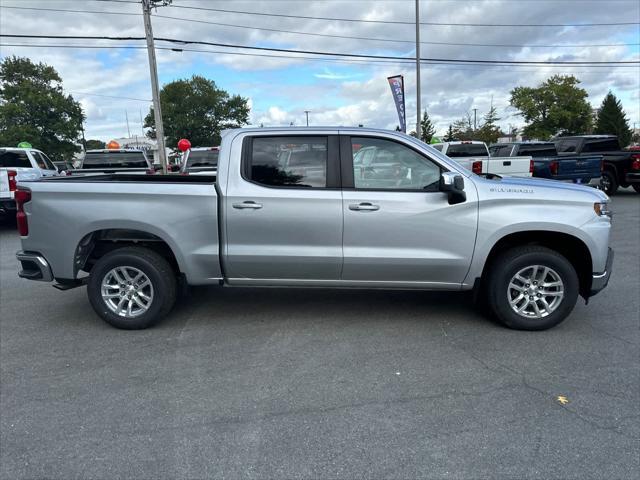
512	166
4	185
579	167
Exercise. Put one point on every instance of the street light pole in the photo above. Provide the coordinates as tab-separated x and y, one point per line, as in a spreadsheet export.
153	70
418	106
307	113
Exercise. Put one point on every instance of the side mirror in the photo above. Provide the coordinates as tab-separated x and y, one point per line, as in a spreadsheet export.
453	184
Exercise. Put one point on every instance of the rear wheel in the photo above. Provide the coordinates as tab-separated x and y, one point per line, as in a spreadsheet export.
608	182
532	288
132	288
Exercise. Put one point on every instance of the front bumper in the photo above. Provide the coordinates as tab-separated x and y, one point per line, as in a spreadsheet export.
600	280
34	267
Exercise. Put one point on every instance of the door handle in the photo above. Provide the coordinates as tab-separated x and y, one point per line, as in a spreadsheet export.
366	206
247	204
506	163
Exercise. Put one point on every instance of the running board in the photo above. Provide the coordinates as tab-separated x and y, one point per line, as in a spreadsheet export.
69	284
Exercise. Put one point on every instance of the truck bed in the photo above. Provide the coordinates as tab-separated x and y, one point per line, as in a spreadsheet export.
180	210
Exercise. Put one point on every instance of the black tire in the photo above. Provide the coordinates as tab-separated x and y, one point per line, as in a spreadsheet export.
608	182
505	267
636	187
157	270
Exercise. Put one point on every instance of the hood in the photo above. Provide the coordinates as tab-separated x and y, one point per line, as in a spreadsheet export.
555	184
544	187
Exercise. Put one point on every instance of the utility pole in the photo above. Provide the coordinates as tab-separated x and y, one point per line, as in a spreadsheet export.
126	115
153	70
475	111
307	113
418	106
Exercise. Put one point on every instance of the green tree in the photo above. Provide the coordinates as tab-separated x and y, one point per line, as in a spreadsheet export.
35	109
557	107
612	120
95	144
198	110
427	130
463	128
449	137
489	130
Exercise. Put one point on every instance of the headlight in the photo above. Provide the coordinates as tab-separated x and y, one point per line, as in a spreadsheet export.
602	209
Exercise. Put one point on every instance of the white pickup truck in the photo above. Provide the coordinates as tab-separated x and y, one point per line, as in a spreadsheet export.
474	156
20	164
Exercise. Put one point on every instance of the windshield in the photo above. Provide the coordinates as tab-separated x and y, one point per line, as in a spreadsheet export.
203	158
114	160
539	150
467	150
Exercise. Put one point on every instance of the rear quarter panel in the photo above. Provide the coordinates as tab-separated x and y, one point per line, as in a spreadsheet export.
60	214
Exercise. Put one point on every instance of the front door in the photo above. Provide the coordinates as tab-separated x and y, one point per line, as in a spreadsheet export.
284	211
398	227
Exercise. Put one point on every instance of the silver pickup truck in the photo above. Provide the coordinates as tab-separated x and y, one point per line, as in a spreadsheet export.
417	221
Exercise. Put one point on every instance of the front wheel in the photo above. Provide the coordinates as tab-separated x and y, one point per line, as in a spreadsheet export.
532	288
132	288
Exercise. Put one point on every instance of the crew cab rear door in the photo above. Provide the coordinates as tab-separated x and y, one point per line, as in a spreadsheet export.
399	229
283	210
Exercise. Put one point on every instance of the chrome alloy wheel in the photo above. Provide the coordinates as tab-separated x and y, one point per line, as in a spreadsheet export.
127	291
535	291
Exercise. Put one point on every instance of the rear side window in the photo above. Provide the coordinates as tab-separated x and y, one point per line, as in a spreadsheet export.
537	151
604	145
14	159
569	145
288	161
203	158
114	160
48	162
467	150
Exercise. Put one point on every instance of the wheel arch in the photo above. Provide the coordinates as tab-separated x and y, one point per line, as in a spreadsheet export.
574	249
97	243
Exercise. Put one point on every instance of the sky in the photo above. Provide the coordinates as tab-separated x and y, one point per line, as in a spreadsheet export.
113	83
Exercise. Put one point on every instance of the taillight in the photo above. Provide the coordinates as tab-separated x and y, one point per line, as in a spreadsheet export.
476	167
553	167
531	167
22	197
11	175
635	165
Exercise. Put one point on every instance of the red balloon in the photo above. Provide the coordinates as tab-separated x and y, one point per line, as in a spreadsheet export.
184	145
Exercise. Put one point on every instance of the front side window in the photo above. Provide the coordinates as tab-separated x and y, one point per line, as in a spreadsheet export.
47	161
392	166
39	160
288	161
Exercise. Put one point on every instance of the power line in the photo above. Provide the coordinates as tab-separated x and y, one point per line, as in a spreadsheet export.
334	54
398	22
331	60
387	22
298	32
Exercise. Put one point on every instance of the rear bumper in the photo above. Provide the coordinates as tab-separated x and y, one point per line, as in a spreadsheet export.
34	267
632	178
601	280
8	206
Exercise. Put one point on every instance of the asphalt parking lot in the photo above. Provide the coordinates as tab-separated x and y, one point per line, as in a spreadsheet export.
275	383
